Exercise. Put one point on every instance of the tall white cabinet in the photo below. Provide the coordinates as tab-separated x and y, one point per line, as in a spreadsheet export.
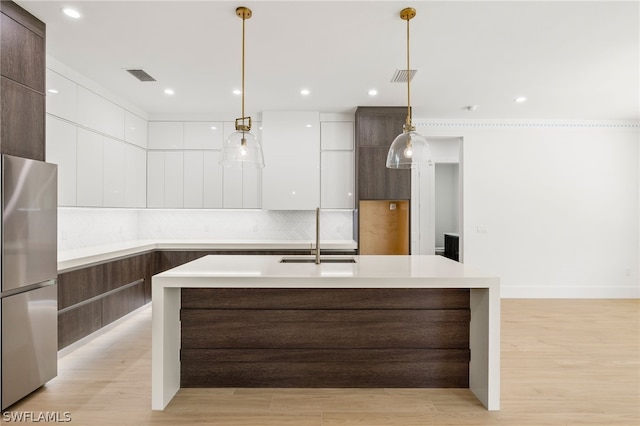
99	147
291	144
337	166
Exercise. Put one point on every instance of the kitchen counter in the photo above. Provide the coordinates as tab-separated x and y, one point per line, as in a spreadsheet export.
369	272
87	256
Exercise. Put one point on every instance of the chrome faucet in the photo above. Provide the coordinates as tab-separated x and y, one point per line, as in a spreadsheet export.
317	251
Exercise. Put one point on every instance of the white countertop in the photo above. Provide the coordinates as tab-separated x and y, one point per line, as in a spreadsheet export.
367	272
87	256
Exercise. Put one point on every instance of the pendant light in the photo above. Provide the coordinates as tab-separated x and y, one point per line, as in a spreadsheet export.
242	147
409	149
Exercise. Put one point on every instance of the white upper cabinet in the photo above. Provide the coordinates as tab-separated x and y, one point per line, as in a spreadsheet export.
193	179
135	172
97	113
100	148
337	179
61	150
174	179
62	96
135	130
336	135
166	135
291	176
90	166
114	173
212	180
155	179
165	179
242	186
203	135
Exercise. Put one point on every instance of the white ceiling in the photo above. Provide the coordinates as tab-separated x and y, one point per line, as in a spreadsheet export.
571	59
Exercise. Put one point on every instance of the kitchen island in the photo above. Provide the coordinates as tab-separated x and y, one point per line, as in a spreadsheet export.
340	284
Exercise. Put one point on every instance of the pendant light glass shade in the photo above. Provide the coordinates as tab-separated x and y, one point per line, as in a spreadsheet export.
409	149
242	147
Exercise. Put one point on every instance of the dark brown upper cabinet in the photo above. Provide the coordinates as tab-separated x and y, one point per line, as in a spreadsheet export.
22	89
376	128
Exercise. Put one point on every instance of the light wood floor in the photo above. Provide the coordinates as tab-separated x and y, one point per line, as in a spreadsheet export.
564	362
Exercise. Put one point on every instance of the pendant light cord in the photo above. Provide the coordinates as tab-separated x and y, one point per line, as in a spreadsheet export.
408	80
243	20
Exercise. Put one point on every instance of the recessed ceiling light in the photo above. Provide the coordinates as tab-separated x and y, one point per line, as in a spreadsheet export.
54	91
373	92
237	92
72	13
168	91
213	127
305	92
309	125
520	99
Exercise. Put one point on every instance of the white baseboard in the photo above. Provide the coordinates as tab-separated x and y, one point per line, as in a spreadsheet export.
559	292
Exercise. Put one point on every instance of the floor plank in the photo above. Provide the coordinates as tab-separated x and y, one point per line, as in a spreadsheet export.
564	362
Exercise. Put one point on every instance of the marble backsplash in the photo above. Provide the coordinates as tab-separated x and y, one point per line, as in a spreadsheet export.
87	227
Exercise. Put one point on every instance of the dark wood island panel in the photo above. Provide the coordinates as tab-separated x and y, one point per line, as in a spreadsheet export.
325	337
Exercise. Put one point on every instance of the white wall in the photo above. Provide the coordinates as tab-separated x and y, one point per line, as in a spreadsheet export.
550	207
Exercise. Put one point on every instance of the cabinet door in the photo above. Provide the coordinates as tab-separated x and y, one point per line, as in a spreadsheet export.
90	169
251	187
114	173
203	135
291	177
135	167
62	96
22	121
135	130
22	53
61	150
193	179
337	177
336	135
166	135
155	179
212	180
375	181
173	179
96	112
231	177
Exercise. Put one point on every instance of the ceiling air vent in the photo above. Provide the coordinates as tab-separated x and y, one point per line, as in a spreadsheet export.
400	76
141	75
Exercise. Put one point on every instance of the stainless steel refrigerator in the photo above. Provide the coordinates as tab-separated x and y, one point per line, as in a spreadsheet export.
28	293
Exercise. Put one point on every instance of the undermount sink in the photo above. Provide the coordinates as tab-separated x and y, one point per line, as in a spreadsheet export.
313	260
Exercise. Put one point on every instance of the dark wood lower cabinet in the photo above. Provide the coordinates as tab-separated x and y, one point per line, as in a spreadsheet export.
325	338
74	324
118	304
92	297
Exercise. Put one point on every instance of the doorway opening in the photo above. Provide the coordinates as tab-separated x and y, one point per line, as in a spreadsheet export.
437	201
